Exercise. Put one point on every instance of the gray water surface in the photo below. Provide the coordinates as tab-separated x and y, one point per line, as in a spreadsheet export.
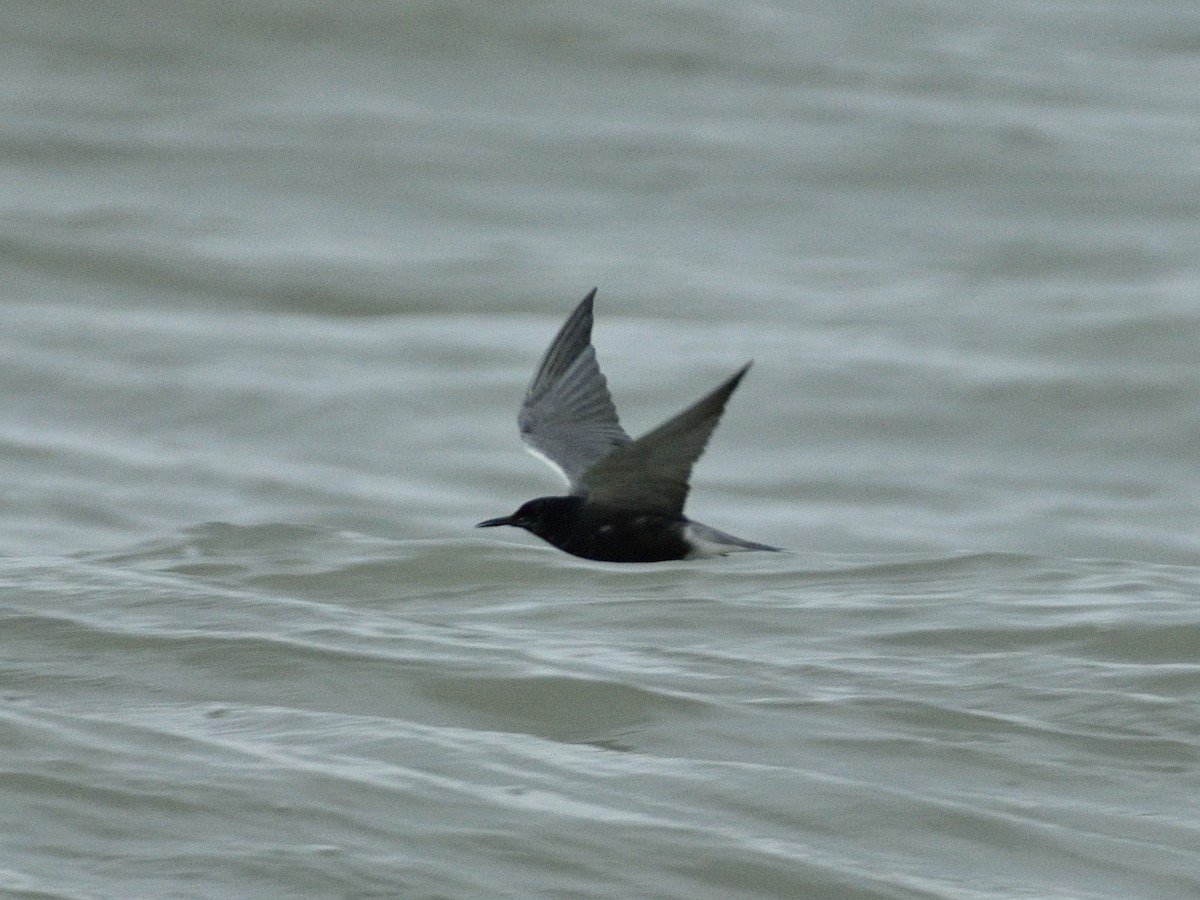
276	275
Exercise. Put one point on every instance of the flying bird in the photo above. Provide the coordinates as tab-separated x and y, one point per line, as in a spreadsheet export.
626	497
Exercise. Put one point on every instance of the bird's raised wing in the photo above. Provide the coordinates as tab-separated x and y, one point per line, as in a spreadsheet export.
651	474
568	418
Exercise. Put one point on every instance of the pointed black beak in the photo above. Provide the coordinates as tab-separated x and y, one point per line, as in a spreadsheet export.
492	523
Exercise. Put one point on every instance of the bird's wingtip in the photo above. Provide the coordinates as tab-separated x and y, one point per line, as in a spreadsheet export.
736	378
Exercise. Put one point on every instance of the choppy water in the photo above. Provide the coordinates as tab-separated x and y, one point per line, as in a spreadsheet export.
276	274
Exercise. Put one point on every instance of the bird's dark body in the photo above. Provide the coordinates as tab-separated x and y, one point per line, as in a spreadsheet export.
610	535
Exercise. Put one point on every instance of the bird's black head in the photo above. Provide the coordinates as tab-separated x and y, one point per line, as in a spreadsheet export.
550	518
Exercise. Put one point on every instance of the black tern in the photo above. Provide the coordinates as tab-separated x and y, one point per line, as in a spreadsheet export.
626	497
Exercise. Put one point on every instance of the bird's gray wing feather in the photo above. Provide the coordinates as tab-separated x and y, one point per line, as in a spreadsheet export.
568	418
651	474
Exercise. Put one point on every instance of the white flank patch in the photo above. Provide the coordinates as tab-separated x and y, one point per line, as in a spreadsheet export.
708	541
